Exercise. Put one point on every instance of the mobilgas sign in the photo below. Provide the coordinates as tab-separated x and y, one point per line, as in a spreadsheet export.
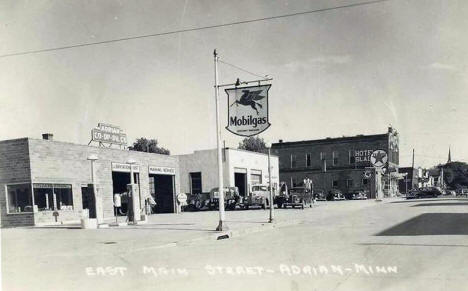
248	110
107	133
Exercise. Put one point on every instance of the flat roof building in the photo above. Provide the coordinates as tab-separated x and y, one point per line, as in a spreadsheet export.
339	163
44	181
241	169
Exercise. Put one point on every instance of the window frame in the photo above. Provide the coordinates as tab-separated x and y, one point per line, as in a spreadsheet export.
308	160
295	161
7	200
56	194
335	158
333	184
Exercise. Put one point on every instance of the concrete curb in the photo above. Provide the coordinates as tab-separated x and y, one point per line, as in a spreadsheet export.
230	234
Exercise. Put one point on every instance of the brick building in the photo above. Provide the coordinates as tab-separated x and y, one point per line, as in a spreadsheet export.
338	163
40	179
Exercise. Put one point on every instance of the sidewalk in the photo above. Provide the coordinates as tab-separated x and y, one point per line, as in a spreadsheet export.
166	230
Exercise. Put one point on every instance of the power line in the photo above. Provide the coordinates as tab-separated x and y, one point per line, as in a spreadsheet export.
189	29
241	69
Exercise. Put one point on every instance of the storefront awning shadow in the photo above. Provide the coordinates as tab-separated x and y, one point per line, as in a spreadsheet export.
430	224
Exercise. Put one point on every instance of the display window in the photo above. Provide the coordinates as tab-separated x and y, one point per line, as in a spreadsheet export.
53	196
19	198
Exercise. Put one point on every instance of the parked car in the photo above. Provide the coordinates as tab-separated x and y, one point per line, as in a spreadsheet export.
334	195
231	198
360	195
258	196
424	192
296	197
462	192
412	194
319	195
197	201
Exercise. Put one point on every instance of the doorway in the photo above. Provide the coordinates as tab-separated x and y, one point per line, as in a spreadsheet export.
240	181
120	180
162	190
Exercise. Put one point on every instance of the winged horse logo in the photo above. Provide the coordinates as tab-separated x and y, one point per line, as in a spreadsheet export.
250	98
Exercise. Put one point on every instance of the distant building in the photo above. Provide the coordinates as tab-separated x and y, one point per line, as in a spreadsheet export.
339	163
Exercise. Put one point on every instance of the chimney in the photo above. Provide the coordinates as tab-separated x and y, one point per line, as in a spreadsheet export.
47	136
280	141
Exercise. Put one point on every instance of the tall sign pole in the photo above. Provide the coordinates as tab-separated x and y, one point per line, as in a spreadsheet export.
221	226
271	219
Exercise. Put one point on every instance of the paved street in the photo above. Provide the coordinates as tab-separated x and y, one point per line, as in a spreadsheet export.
342	245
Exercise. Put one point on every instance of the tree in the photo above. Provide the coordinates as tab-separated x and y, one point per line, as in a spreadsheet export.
455	174
148	145
253	144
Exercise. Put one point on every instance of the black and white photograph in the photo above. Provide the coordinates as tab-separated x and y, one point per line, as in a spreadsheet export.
234	145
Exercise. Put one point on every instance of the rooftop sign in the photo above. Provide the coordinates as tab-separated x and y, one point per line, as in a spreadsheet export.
108	133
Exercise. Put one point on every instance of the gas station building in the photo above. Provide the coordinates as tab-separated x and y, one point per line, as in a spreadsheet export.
241	169
43	181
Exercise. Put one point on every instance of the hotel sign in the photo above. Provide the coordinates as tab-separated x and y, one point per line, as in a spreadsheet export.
363	156
161	170
248	110
376	158
107	133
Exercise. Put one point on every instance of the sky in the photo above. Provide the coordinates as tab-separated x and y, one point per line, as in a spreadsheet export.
335	73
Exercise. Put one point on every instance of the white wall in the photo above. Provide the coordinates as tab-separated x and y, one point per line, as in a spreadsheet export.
205	161
251	161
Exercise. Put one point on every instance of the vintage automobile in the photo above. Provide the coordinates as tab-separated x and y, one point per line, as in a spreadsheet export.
462	192
359	196
258	196
424	192
231	198
320	195
412	194
197	201
296	197
334	195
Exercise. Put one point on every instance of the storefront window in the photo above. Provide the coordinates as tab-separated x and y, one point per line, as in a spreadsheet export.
64	196
256	179
19	198
53	196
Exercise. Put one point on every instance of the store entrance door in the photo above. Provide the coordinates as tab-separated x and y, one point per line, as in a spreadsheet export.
162	190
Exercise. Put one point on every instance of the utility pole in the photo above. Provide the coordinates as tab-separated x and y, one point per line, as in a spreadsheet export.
271	219
221	226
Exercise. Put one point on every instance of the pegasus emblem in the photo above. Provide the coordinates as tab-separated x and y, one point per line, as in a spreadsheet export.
249	98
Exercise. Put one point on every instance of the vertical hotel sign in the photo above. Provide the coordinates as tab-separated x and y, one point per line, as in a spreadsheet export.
248	110
108	133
